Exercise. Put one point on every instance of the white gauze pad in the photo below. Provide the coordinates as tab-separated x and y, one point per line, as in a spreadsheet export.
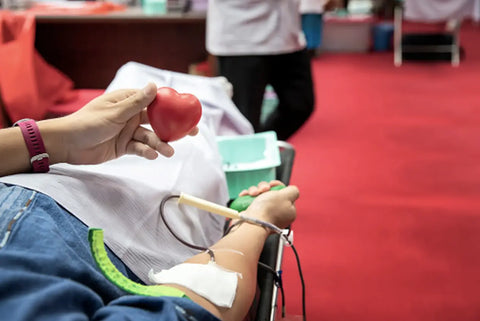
210	281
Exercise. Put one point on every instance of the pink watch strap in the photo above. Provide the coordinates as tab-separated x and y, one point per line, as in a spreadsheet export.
38	155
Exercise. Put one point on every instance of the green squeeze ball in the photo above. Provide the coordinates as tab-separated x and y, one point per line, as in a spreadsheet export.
97	247
241	203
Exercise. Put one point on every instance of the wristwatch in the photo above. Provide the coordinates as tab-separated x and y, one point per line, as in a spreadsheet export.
33	139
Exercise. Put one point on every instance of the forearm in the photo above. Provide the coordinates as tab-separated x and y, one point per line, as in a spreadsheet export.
14	156
238	251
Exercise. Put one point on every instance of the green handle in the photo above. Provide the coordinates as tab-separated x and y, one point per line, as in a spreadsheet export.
97	247
241	203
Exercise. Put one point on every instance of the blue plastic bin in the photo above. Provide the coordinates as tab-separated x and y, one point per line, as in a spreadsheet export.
382	36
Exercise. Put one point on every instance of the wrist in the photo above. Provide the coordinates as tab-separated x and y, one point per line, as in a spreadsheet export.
252	229
54	134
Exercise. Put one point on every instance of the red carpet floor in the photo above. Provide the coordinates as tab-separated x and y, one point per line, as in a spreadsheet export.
389	173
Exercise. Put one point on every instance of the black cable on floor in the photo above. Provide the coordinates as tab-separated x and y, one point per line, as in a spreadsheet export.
302	281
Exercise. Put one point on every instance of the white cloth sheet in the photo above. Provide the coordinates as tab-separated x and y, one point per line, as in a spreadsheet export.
123	196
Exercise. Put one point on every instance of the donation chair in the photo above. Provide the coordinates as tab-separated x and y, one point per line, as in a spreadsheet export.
417	44
266	303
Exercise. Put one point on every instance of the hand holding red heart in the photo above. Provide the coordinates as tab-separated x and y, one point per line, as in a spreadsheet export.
173	115
110	126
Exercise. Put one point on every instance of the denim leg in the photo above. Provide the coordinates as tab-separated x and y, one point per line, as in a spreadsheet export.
48	273
43	251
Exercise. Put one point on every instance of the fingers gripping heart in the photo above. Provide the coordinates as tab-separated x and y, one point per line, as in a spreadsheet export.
173	115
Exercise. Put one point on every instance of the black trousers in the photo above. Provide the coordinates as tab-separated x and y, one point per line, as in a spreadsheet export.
289	75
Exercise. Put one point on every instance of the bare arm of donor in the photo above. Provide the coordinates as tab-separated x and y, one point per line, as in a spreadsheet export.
240	250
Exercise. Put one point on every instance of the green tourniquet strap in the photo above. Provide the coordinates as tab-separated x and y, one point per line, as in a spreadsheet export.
241	203
97	247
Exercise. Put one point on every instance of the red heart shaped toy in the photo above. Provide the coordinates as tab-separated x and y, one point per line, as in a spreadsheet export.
173	115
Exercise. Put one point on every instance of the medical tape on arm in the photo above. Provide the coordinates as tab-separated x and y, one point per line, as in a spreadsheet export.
211	281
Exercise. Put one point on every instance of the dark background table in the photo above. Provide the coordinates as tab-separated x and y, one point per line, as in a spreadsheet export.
91	48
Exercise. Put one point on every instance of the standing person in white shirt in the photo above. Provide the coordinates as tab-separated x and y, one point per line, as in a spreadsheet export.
260	42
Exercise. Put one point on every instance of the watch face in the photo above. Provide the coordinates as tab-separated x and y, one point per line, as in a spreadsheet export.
21	121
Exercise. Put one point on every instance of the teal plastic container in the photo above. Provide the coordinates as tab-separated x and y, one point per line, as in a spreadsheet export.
248	159
155	7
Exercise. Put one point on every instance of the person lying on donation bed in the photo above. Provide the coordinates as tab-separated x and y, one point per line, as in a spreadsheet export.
47	271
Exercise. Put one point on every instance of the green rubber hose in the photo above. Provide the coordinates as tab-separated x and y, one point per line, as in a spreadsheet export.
97	247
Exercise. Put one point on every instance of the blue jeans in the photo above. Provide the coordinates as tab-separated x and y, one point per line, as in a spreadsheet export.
48	273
